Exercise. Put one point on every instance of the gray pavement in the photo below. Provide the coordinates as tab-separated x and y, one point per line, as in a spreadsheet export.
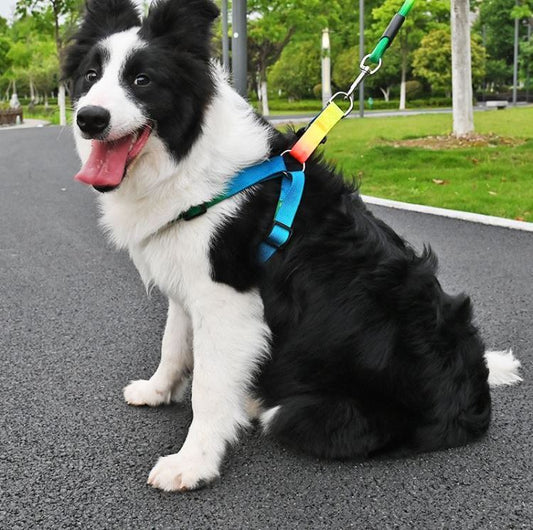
77	325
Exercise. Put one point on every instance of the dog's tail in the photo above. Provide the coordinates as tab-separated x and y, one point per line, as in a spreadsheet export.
503	368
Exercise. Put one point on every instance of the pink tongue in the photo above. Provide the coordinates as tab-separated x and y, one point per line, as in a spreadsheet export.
107	163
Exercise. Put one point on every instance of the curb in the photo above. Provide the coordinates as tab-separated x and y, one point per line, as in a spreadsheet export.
28	123
453	214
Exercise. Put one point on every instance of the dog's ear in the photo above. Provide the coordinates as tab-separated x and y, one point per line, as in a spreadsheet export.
184	24
105	17
102	18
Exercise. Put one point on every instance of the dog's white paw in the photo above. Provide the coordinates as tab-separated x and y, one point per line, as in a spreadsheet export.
179	472
143	392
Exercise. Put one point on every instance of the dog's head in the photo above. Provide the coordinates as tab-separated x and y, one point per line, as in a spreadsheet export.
131	79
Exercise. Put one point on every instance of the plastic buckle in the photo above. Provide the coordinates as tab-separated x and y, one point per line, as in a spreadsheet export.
275	244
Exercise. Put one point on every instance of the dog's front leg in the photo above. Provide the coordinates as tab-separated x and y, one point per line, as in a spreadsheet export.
169	381
230	338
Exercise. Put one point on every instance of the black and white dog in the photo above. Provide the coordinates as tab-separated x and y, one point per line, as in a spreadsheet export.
342	345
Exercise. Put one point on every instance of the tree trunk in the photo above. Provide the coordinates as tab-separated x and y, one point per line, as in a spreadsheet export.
404	79
463	109
61	103
385	92
264	97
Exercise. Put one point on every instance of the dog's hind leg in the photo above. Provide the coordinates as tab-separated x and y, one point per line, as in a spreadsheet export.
170	381
327	426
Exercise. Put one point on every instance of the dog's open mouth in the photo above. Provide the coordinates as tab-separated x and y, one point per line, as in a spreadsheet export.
108	161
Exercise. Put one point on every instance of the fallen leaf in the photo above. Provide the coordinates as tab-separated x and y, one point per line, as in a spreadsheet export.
440	182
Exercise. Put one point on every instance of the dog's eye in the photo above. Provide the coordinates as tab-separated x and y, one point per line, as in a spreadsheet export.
141	80
91	76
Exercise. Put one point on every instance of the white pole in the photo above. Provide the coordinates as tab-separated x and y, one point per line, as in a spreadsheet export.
515	59
62	105
326	67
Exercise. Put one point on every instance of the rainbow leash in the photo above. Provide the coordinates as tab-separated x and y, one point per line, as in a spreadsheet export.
316	132
331	114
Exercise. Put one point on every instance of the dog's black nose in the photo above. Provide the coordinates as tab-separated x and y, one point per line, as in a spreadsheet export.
93	120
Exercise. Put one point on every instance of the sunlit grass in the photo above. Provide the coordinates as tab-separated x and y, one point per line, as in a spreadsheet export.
493	180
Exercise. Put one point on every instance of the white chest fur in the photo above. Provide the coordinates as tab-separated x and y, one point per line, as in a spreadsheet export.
177	259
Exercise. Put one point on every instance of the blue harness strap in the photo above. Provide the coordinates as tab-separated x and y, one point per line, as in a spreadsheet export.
292	186
267	170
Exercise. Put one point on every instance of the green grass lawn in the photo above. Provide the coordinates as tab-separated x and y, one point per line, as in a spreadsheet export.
51	114
493	180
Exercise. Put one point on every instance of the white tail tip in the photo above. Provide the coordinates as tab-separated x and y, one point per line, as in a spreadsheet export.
503	368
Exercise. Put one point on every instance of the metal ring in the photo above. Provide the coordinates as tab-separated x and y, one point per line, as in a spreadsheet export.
346	96
288	151
367	69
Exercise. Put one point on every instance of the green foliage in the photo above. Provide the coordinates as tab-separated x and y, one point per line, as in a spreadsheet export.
496	26
5	60
30	48
432	61
434	14
414	89
272	25
298	70
523	9
345	67
399	57
498	73
51	13
526	56
32	57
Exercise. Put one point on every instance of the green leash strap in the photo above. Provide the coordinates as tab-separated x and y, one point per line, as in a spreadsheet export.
390	33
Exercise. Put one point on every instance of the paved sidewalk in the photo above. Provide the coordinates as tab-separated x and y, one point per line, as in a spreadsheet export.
303	118
77	325
28	123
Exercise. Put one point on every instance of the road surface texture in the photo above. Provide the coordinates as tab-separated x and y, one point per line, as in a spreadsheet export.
77	325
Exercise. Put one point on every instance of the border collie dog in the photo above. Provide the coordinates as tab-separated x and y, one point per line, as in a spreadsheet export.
342	345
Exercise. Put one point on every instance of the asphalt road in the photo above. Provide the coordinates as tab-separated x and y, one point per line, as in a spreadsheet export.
77	325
